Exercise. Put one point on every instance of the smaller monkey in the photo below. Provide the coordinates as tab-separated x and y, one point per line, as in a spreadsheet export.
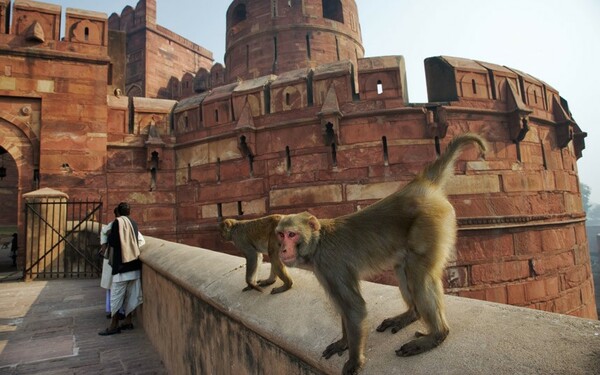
255	238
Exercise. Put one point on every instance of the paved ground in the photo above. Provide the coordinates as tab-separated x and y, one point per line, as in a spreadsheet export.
51	327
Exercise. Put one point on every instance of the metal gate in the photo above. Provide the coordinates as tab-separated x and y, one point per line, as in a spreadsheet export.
62	239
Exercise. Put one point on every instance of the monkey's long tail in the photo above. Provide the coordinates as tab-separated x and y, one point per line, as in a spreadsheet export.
441	169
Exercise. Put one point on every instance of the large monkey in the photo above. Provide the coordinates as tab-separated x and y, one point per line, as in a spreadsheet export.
412	230
255	238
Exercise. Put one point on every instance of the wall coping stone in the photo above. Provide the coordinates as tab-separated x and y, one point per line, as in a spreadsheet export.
485	337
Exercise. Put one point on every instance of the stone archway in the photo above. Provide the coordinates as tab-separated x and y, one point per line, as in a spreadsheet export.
19	147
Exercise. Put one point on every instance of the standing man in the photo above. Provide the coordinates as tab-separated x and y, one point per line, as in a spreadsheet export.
126	287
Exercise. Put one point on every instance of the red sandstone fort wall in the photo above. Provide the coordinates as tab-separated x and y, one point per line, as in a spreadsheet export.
330	137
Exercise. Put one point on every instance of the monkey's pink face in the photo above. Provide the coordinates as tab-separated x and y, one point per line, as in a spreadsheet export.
289	243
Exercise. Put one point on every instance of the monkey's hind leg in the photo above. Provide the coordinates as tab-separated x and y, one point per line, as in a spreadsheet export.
411	315
271	280
280	270
252	260
430	304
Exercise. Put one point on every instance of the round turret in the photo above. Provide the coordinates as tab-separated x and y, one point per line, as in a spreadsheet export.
274	36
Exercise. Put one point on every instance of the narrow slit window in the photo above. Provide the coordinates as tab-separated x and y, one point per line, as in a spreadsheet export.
308	46
386	160
86	33
334	154
288	160
379	87
217	116
474	84
287	98
219	210
240	208
189	172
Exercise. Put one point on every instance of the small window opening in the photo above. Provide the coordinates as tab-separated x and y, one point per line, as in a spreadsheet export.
153	170
329	134
474	84
544	160
337	48
308	52
386	161
274	8
220	210
334	154
275	50
535	96
189	172
287	98
332	9
86	33
217	116
239	14
379	87
518	146
288	160
240	208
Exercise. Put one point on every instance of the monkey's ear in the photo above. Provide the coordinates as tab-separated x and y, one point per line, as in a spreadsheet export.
314	224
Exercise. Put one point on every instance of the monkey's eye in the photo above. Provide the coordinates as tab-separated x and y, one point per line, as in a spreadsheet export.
292	235
281	235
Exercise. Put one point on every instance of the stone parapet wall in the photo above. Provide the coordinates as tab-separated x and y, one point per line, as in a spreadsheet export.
199	320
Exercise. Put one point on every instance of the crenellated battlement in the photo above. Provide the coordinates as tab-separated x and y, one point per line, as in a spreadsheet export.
37	25
381	84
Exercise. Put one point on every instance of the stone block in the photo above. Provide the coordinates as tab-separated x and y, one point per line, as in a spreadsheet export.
528	242
478	247
575	277
153	214
535	290
371	191
496	294
306	196
516	294
558	239
490	273
475	184
551	264
521	182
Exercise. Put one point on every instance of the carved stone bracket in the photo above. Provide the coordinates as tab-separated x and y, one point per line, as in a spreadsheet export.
330	116
518	123
437	122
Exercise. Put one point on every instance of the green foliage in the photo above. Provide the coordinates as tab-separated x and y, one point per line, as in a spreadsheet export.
586	191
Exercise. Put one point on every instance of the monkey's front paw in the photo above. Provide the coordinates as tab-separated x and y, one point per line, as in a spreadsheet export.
398	322
337	347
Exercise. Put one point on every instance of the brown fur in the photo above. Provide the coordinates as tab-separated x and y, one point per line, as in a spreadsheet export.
412	230
255	238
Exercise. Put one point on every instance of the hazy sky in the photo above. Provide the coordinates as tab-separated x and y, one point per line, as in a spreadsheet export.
556	41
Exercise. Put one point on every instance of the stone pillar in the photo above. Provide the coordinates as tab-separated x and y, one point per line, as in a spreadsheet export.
46	222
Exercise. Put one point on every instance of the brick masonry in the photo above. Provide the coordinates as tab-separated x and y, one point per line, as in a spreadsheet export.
330	133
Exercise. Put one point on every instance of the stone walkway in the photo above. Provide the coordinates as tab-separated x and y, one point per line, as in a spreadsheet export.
51	327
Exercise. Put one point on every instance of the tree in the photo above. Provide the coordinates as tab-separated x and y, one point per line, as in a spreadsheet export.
586	191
